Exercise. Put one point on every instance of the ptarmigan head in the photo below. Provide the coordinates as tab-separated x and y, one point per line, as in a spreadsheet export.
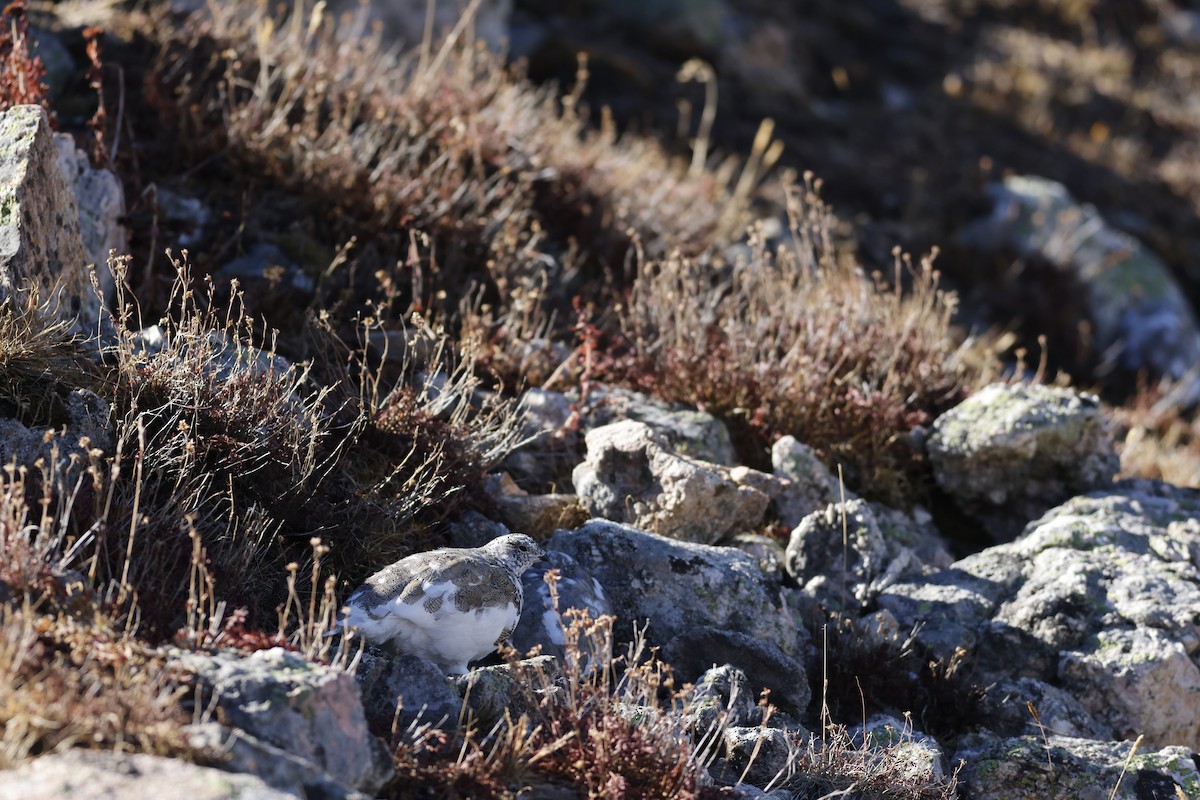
518	551
451	606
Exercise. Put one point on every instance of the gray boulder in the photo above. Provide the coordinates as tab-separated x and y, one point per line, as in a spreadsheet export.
473	529
758	756
492	693
1099	597
912	757
809	487
1143	680
1007	454
1140	317
544	415
844	564
696	652
631	475
679	586
538	515
309	710
548	448
60	67
405	690
1005	707
836	554
768	552
722	695
264	266
541	622
547	453
100	199
689	432
1064	768
40	241
97	775
236	751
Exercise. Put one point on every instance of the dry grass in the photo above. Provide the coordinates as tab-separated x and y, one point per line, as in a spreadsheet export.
864	677
71	673
41	361
223	444
214	438
1158	438
512	189
879	768
801	342
82	681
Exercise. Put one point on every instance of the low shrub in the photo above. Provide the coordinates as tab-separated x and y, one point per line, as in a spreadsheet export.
799	340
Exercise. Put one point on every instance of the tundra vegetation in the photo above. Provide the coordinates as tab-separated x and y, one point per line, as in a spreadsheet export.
466	235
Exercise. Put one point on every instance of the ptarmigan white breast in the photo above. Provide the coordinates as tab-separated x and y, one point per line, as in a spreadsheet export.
450	605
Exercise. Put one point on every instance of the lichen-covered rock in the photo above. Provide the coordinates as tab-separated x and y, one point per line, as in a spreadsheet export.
40	241
758	756
236	751
554	424
1140	681
491	692
768	552
1100	597
836	554
541	623
1007	454
809	485
1139	315
694	652
689	432
102	775
1005	707
631	476
414	686
764	482
310	710
679	586
913	758
844	564
1064	768
722	694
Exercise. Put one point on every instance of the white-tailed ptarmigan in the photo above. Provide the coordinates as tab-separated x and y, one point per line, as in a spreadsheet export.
450	606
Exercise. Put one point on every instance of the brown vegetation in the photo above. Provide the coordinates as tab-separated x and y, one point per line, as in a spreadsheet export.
505	183
478	217
1158	438
22	74
796	340
72	674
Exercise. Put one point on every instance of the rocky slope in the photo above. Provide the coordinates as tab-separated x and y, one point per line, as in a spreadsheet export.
977	606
